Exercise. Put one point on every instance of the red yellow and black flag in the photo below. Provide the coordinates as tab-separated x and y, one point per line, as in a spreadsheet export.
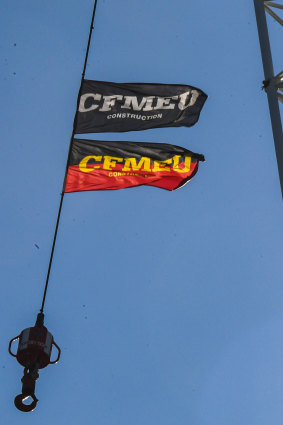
105	165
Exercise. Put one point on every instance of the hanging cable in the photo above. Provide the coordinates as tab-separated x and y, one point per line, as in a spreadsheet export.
70	146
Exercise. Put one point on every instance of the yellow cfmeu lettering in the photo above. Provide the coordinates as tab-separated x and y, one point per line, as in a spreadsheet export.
160	165
83	164
131	164
110	162
187	165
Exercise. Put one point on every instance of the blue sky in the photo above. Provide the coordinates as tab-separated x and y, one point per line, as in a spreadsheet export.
167	305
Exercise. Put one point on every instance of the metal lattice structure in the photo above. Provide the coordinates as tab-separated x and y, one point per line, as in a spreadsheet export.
273	84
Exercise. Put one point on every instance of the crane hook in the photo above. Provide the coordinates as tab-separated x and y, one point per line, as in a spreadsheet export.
34	353
28	388
25	407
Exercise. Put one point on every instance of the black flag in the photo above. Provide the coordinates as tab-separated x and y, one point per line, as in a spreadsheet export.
115	107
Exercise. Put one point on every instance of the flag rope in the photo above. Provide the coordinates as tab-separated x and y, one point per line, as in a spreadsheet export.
70	146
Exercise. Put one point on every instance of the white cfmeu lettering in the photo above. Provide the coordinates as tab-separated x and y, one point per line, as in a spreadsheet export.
109	101
84	97
192	95
131	102
95	101
164	102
